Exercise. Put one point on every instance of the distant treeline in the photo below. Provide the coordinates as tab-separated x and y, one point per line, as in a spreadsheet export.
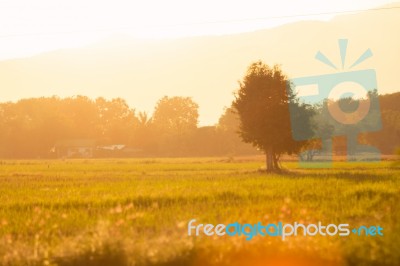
387	139
31	128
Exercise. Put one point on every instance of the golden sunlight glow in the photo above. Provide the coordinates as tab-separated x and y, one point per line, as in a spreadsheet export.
136	49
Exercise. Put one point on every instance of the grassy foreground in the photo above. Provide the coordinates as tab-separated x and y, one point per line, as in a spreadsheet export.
135	212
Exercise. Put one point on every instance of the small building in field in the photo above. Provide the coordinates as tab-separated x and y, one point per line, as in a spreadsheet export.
110	151
75	148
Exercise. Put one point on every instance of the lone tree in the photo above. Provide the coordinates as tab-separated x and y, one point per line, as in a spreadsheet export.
262	103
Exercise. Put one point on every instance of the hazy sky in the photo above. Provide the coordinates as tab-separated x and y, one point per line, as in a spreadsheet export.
32	27
29	27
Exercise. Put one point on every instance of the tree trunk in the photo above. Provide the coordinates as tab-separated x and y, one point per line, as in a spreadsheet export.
276	163
272	162
269	160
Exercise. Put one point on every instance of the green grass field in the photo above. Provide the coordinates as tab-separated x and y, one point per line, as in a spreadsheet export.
135	212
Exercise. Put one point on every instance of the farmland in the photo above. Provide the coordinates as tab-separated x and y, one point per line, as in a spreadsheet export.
136	211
